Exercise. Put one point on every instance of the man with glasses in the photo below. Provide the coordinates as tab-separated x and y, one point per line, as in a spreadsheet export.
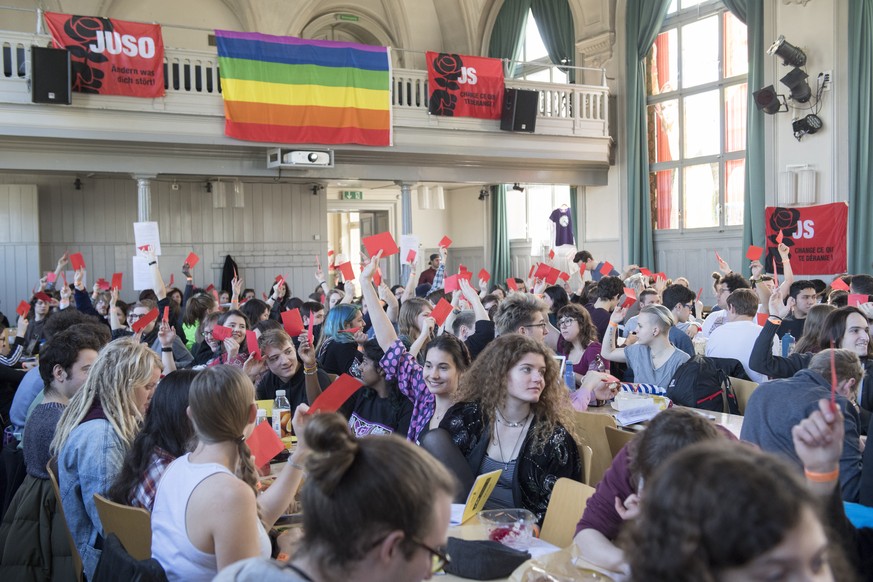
525	314
726	285
680	301
736	338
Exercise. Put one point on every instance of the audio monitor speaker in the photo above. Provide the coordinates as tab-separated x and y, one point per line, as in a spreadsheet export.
519	110
50	75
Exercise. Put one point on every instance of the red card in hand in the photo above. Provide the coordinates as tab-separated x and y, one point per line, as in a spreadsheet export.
192	259
410	256
351	330
146	319
445	242
310	336
552	276
346	271
542	271
761	318
335	395
380	242
44	297
265	444
221	333
76	261
839	284
551	254
856	299
377	277
630	297
606	269
252	344
779	237
292	322
775	272
451	284
172	279
23	309
102	284
462	268
167	314
484	275
50	277
510	282
564	276
441	311
531	272
466	275
211	288
660	275
699	293
64	278
754	253
718	257
645	272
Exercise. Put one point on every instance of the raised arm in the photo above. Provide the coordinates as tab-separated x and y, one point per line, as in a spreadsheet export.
474	300
409	290
609	350
382	326
787	272
386	295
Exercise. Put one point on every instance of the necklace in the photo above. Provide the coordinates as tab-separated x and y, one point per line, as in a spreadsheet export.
506	461
502	420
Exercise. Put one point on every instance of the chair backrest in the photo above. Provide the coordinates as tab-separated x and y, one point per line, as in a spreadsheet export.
744	389
589	430
132	525
52	468
587	457
566	506
617	438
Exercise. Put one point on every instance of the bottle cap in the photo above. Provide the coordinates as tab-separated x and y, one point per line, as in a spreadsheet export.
280	393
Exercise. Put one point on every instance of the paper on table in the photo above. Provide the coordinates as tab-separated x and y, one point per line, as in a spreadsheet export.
142	274
146	233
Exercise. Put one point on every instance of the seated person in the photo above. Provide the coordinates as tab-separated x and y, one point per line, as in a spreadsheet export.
680	301
337	350
525	314
725	285
735	338
284	368
378	407
606	296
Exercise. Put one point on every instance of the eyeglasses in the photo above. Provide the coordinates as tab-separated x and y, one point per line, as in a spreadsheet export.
207	333
541	325
565	321
134	315
688	305
439	557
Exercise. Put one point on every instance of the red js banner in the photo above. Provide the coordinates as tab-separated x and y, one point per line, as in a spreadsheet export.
111	57
815	236
464	86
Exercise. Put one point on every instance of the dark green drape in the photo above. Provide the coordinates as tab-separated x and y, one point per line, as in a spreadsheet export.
860	135
574	210
508	30
751	12
555	23
500	257
642	24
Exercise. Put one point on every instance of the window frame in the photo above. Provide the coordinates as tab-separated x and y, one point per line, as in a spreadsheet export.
530	213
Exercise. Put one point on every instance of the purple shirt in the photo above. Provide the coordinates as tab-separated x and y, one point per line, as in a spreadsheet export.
563	226
600	319
397	363
600	513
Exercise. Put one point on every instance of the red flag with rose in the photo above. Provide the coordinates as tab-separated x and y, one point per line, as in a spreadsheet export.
109	56
815	237
464	86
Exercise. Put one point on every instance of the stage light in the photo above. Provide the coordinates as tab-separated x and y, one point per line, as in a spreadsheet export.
806	125
483	194
790	54
768	101
798	88
517	187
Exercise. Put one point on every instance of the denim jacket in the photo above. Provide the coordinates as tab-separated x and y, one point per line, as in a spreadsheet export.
88	463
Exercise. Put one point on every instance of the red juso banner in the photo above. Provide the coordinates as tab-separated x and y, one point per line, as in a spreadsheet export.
814	235
109	56
464	86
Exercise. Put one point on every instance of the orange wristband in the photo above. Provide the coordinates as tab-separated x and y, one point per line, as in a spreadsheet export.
822	477
613	324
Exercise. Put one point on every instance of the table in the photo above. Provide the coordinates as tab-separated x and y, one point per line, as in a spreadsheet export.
732	422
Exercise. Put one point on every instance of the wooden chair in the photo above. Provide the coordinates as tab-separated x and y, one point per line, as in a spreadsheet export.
52	468
565	509
587	457
589	430
744	389
132	525
617	438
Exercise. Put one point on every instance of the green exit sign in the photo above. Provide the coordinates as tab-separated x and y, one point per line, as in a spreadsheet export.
350	195
347	17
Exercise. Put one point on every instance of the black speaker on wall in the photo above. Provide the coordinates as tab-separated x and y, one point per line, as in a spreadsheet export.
50	75
519	110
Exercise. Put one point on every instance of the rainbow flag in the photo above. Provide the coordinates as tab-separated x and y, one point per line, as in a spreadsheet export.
292	90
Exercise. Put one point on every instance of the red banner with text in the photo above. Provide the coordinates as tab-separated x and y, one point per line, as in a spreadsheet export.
464	86
814	235
109	56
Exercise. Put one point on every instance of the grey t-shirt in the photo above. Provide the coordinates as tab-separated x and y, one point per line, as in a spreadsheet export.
639	358
259	570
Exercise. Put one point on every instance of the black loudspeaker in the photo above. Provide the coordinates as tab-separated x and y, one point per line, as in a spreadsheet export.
519	110
50	75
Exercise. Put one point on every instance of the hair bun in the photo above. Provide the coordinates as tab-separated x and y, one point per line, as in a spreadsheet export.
333	450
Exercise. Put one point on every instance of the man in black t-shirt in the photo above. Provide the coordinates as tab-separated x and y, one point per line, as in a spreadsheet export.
293	370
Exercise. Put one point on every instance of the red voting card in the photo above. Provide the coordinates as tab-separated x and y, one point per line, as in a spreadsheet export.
833	378
542	271
718	257
172	279
211	288
551	254
606	269
252	344
292	322
346	271
166	314
484	275
645	272
451	284
50	277
775	272
466	275
699	293
102	284
856	299
552	276
445	242
377	277
265	444
214	294
462	268
310	336
510	282
146	319
221	333
351	330
380	242
754	253
44	297
441	311
779	237
410	256
64	278
761	318
192	259
76	261
564	276
630	297
660	275
839	284
264	295
23	309
336	394
531	272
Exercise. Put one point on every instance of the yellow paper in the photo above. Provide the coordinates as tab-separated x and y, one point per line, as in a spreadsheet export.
266	405
480	493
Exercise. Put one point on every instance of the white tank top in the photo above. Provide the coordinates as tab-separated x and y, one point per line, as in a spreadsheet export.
170	544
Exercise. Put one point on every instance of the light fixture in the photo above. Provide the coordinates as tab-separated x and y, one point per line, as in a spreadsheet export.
77	184
790	54
517	187
809	124
798	88
768	101
483	193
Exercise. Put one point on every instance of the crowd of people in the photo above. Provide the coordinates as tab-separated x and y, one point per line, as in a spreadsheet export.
157	416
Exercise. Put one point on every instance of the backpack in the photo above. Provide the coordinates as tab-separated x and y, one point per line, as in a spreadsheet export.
703	382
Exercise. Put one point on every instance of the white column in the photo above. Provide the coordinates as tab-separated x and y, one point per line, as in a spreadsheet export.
143	197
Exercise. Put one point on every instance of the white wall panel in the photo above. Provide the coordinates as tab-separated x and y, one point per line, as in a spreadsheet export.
19	245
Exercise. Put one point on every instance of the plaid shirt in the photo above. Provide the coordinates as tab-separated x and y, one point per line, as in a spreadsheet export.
144	494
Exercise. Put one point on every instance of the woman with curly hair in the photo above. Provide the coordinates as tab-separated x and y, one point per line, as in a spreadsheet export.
512	414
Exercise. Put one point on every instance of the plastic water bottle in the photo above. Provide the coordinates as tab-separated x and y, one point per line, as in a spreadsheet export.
281	414
787	344
262	416
569	377
598	365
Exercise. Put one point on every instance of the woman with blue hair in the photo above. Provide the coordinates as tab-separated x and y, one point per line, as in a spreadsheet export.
341	334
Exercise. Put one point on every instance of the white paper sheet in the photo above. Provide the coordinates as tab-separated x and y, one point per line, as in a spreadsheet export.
147	233
410	242
142	274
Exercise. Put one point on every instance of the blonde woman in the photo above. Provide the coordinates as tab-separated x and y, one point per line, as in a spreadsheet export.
95	433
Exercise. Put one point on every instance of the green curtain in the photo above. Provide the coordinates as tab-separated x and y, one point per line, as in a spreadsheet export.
574	210
860	136
508	30
555	23
500	257
751	12
642	24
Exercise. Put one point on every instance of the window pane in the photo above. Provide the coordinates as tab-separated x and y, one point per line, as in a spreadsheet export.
534	47
690	3
664	131
516	213
674	5
736	55
734	177
702	128
663	75
664	187
700	52
700	196
735	103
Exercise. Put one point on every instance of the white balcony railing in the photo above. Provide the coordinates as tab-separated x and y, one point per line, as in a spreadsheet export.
193	87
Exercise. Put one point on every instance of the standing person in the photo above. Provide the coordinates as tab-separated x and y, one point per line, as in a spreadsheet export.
342	333
94	433
426	277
